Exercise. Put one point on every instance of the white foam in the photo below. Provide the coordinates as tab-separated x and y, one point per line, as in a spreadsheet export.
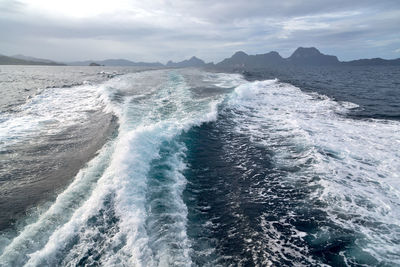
145	126
168	238
50	112
225	80
35	235
358	161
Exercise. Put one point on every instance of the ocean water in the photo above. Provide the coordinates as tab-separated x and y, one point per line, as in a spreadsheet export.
134	167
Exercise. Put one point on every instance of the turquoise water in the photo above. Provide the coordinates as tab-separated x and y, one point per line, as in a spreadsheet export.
207	169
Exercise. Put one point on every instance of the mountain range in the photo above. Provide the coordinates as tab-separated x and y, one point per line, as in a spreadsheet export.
116	62
24	60
239	61
192	62
300	57
34	59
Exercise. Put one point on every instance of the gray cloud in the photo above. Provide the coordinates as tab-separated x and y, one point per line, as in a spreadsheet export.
162	30
10	6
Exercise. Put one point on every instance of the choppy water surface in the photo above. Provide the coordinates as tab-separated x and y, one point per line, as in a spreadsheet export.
200	169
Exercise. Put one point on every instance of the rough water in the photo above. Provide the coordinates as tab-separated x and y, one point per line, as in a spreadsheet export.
192	168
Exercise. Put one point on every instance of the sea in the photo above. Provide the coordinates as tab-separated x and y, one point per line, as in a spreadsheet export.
123	166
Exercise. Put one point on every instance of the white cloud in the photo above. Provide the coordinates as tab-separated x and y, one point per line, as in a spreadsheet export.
144	30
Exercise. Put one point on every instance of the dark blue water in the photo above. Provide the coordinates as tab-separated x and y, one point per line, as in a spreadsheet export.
294	167
241	204
240	201
376	89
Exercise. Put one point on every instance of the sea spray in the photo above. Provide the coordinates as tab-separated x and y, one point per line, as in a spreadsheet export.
109	224
210	169
356	163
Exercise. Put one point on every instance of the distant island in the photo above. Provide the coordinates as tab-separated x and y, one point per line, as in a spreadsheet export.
302	56
24	60
192	62
116	62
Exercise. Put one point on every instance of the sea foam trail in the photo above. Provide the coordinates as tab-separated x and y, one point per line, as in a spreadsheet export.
120	218
47	113
357	163
308	185
35	235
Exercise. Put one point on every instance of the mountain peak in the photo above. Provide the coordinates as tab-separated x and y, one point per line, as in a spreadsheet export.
306	52
196	60
192	62
311	56
239	54
274	53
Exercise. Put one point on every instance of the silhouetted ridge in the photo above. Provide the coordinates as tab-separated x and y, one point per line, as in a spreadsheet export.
240	55
268	58
242	60
5	60
116	62
192	62
311	56
239	61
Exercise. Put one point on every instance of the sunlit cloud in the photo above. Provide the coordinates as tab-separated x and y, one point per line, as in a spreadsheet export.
211	29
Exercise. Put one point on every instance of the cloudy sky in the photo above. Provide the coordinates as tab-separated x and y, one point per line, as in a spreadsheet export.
159	30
